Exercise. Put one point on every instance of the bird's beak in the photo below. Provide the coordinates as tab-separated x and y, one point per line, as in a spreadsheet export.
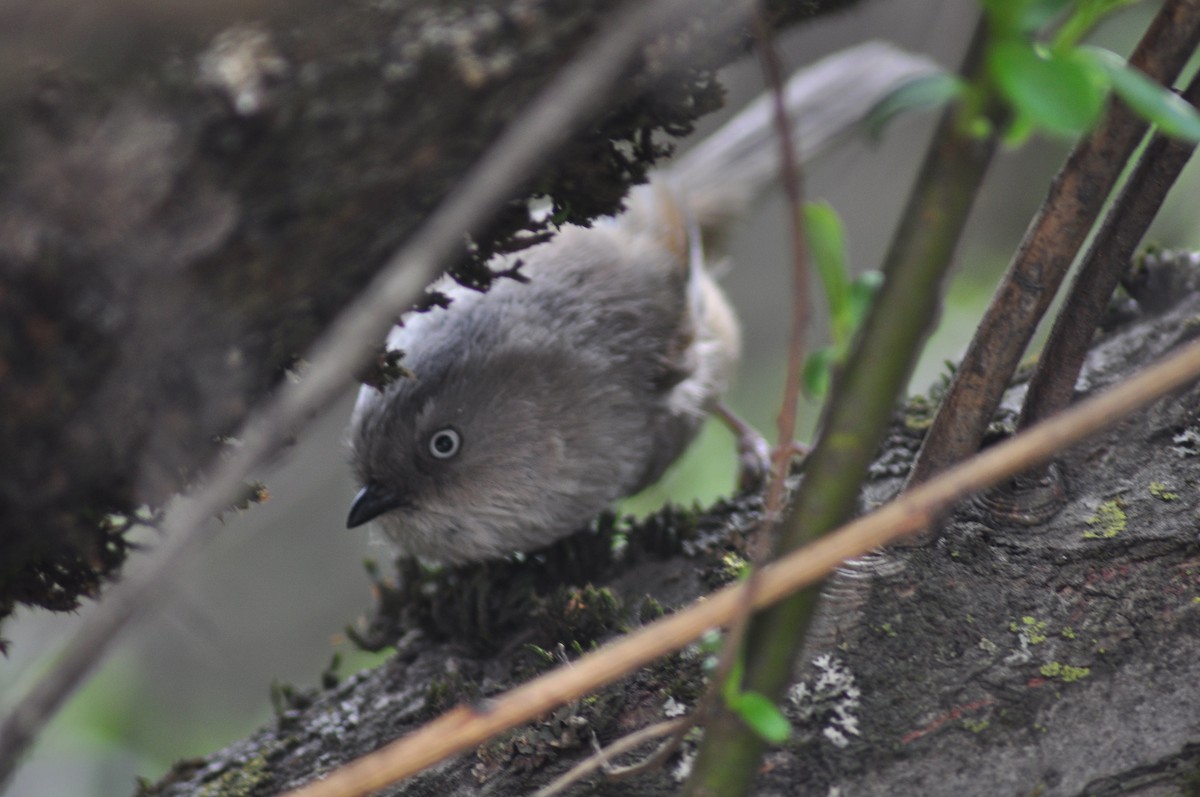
371	502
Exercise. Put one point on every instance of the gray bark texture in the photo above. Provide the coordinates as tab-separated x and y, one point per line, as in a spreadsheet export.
189	194
1048	649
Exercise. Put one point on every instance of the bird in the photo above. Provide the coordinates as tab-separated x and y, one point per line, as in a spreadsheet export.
528	409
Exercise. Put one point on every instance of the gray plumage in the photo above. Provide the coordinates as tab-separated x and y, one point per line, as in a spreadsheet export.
566	393
535	406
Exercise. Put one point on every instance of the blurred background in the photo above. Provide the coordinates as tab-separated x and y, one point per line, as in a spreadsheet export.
268	601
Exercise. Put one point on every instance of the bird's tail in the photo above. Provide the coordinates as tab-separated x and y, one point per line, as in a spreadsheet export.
717	180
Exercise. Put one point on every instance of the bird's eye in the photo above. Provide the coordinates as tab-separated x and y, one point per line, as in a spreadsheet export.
444	443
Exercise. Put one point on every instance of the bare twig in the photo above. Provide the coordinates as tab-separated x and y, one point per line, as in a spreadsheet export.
575	94
1055	236
466	726
1053	383
792	181
603	758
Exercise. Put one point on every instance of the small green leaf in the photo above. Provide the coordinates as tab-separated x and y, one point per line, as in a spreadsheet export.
818	370
1061	93
920	93
827	243
1150	100
763	716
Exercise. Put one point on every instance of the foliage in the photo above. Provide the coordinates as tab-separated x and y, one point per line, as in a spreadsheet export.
1054	85
1051	83
848	300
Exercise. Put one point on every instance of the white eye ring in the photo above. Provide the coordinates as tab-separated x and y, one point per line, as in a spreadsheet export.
444	443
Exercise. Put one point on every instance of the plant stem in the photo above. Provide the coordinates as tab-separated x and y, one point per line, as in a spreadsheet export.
859	410
1055	236
1053	384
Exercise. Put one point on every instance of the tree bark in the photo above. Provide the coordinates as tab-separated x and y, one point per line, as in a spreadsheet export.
1053	658
188	197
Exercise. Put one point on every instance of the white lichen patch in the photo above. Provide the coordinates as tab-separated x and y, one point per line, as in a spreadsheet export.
1187	443
832	698
672	708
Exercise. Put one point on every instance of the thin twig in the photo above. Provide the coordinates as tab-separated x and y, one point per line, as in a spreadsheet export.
603	758
1053	383
793	191
1076	196
465	727
577	92
758	545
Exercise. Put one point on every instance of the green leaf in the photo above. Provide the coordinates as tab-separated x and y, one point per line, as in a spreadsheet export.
925	91
763	716
827	243
818	371
1150	100
1061	93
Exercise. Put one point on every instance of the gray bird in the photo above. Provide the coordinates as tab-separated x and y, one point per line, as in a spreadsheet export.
532	407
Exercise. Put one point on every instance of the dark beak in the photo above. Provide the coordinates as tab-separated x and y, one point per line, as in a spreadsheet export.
371	502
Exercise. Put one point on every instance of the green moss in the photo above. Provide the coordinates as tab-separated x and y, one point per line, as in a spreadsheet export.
735	566
1159	491
917	424
1108	522
1068	633
1032	628
919	412
1065	672
976	725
